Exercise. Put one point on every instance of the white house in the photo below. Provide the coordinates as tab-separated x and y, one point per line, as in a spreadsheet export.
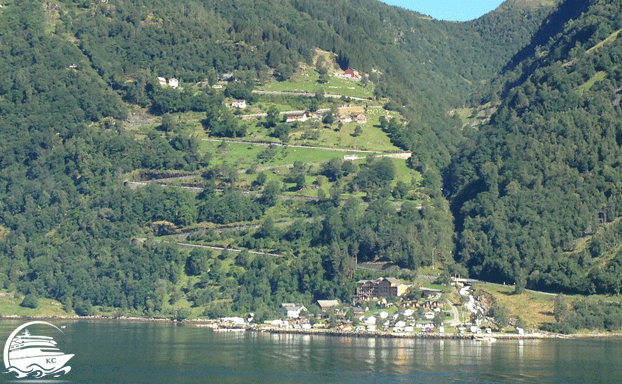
162	80
241	103
429	315
233	320
298	117
173	82
361	118
344	118
292	310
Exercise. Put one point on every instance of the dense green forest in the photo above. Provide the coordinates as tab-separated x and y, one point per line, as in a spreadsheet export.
531	197
536	191
69	224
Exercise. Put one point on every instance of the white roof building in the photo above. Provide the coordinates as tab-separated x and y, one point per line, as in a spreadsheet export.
238	103
292	310
234	320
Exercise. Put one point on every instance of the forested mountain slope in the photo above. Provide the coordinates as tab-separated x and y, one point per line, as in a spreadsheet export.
190	39
72	71
545	172
426	65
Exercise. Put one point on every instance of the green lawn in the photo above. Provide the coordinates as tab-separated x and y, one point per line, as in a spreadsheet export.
533	307
307	82
47	307
372	138
599	76
466	115
405	174
245	155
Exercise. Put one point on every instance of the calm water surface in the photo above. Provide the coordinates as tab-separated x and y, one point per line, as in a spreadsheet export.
118	352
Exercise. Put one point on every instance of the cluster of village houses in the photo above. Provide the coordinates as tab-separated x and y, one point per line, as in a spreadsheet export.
406	319
410	316
344	115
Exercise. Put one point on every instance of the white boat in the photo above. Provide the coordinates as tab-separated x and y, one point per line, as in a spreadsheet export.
27	351
489	339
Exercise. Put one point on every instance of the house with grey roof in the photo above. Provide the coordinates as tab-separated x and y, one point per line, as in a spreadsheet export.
292	310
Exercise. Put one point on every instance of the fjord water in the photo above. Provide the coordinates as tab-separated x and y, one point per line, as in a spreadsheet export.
125	352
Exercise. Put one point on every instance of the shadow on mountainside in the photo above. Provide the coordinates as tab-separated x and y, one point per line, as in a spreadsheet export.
552	25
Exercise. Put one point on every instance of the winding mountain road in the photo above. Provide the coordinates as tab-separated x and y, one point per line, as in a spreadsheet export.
455	320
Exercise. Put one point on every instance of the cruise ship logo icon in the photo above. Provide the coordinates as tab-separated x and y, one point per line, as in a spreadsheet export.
33	356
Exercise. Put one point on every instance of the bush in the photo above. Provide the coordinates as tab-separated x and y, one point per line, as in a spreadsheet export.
217	312
83	308
328	118
182	314
30	301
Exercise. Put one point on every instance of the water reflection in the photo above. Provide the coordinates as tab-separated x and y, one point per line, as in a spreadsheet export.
161	353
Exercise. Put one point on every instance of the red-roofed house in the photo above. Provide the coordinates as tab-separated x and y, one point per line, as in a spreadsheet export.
351	73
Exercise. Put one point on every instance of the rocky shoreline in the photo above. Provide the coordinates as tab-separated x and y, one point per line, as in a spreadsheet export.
330	332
